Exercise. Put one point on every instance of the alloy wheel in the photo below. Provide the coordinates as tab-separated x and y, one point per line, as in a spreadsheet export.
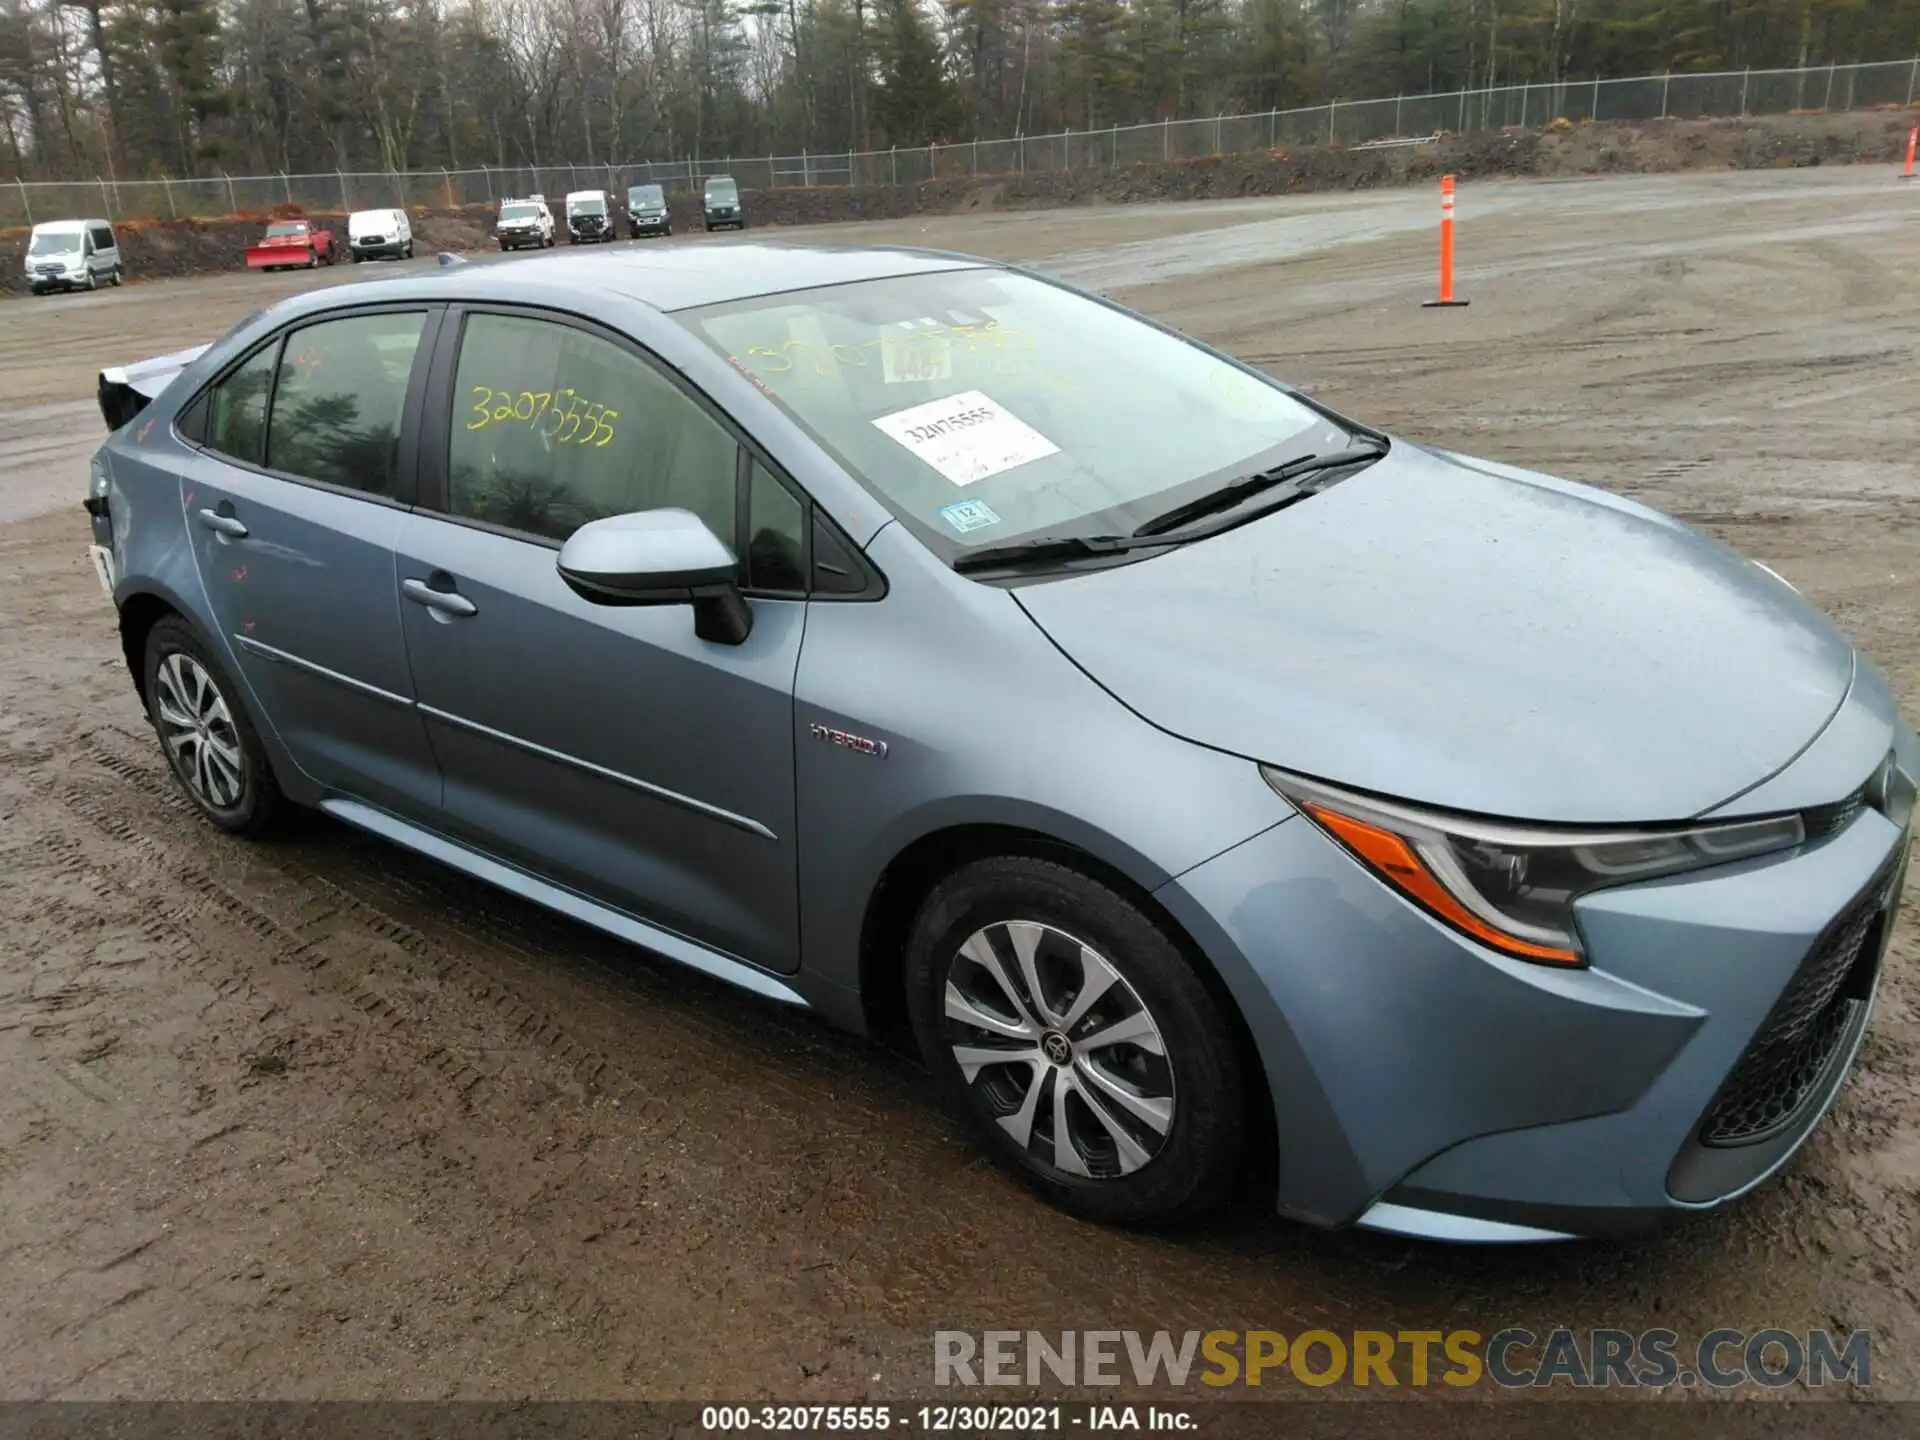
1060	1049
198	730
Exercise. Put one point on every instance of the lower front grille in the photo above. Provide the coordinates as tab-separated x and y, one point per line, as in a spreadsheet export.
1781	1067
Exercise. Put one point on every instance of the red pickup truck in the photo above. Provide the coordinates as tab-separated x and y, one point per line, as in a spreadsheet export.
292	243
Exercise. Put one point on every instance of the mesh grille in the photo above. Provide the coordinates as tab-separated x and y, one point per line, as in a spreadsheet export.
1779	1069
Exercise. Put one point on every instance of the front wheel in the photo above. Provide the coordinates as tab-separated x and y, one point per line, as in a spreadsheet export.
1078	1040
206	736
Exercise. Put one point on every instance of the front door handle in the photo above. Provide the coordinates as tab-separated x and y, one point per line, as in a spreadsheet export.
224	522
442	602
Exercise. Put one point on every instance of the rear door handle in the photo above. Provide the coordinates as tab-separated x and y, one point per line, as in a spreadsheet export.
224	522
444	602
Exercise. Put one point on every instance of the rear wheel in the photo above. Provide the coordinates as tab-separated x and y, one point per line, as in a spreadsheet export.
1078	1040
206	736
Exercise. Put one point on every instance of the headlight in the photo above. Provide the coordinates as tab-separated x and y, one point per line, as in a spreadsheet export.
1512	887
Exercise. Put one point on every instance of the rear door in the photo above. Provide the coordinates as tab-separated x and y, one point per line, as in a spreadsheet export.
302	481
606	747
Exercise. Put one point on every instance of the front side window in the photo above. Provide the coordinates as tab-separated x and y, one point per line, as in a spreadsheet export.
776	535
237	407
339	399
553	427
982	406
102	238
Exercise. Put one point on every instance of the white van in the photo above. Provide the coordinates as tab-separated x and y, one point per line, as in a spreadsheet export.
371	233
73	255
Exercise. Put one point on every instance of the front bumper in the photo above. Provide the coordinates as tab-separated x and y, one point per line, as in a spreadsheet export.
371	248
1426	1085
649	224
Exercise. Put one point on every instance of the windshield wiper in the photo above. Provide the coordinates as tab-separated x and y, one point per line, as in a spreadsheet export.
1045	547
1230	495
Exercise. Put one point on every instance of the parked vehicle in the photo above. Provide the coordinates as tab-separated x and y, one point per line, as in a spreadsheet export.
923	641
647	211
590	218
524	224
720	204
374	233
72	255
290	244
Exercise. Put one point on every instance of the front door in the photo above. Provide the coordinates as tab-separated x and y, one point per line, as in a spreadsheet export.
607	748
294	503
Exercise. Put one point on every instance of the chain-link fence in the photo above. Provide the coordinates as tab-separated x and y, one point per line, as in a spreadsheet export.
1691	96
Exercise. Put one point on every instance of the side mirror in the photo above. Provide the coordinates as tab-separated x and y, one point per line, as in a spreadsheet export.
660	557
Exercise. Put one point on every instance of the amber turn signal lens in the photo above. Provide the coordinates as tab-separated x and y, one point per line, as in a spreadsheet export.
1394	861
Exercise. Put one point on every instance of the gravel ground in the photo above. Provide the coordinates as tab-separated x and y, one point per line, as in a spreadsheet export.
319	1120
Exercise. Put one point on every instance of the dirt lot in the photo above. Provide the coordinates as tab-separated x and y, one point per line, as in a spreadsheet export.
321	1120
171	249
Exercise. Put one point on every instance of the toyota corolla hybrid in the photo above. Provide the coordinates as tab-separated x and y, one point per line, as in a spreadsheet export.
1192	771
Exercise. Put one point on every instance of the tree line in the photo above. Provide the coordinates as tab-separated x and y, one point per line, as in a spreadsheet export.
144	88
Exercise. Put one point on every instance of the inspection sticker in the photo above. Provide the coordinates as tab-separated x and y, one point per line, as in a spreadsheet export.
966	437
966	515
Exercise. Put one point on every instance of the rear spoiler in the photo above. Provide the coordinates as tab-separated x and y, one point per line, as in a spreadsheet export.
126	390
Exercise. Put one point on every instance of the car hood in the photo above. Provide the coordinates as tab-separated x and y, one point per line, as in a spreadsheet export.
1468	636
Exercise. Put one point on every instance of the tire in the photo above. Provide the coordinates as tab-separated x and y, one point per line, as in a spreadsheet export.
251	805
119	274
93	281
409	254
313	257
1168	1155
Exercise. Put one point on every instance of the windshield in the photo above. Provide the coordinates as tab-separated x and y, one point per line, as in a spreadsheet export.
275	232
983	407
519	212
592	205
645	197
724	191
55	244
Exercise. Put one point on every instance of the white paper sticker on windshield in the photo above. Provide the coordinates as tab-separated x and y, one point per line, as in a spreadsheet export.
906	359
966	437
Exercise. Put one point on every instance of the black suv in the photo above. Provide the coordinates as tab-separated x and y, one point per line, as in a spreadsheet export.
647	211
721	204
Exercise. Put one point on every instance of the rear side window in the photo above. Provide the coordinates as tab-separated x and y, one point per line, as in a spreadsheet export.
338	401
553	427
237	408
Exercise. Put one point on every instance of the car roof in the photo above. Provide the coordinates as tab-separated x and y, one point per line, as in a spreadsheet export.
686	276
61	227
